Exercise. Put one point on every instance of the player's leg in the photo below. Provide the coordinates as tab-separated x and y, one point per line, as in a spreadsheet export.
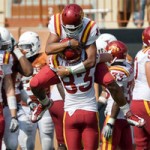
27	130
57	112
126	135
141	135
2	125
38	83
91	131
10	139
73	131
46	131
43	79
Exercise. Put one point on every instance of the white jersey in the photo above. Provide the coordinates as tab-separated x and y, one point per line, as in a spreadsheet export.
141	83
6	62
54	93
87	36
79	88
124	75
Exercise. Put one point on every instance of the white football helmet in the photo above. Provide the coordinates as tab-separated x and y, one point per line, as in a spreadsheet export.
103	41
30	43
5	39
107	37
101	45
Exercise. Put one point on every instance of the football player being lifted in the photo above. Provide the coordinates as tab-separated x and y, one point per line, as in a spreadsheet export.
83	33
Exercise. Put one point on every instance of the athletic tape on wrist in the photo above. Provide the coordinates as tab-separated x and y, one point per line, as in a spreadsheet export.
18	53
111	121
77	68
12	103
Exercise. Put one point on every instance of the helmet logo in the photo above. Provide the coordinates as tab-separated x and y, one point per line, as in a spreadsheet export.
114	48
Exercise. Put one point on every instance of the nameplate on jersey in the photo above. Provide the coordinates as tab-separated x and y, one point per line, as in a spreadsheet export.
86	32
57	24
4	57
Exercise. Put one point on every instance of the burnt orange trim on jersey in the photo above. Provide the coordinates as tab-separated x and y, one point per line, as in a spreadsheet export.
120	69
106	144
6	58
146	104
57	24
87	31
41	60
64	129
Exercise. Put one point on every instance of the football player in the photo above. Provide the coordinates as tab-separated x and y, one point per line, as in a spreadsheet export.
19	65
29	44
81	125
140	104
83	33
6	62
116	131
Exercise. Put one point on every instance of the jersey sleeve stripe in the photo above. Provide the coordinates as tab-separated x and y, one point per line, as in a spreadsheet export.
57	24
120	69
55	61
6	58
86	32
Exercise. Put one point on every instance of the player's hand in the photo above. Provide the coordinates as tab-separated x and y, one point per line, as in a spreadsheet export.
74	43
107	131
62	71
14	124
105	57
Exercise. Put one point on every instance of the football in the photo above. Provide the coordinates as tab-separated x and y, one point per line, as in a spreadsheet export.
70	54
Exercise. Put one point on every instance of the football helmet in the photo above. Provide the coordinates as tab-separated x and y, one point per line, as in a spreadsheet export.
72	16
71	55
5	39
146	36
101	46
118	50
107	37
29	42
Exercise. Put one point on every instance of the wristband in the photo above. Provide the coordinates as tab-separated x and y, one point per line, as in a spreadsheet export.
14	118
108	124
111	121
77	68
18	53
12	103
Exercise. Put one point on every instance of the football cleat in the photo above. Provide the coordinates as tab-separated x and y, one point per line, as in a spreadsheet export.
134	120
39	111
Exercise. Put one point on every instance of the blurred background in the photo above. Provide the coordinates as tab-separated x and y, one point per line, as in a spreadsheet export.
123	18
